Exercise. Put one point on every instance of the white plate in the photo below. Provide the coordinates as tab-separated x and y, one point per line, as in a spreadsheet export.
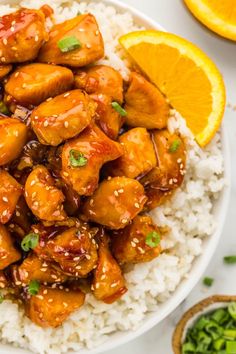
199	265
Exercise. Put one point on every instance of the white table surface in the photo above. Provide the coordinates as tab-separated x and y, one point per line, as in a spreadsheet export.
173	15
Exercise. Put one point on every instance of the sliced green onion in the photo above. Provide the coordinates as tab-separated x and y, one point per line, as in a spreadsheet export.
229	334
174	146
201	323
153	239
188	348
219	315
1	298
214	329
67	44
33	288
119	109
230	259
3	109
77	158
29	242
219	344
230	347
232	310
208	281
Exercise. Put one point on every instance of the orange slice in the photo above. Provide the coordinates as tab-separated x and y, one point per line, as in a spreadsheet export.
185	75
217	15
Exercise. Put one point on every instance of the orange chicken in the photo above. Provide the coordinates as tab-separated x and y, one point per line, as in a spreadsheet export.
87	44
63	117
51	306
169	174
34	83
139	155
72	249
101	79
138	242
42	197
4	70
115	202
13	136
8	253
108	282
145	105
10	192
21	35
83	157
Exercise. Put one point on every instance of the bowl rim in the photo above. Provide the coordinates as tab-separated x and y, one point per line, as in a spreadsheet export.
202	261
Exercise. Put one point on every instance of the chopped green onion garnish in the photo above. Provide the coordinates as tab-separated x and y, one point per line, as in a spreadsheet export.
230	259
33	287
188	348
232	310
29	242
77	158
68	44
3	109
119	109
174	146
208	281
219	344
1	298
153	239
230	347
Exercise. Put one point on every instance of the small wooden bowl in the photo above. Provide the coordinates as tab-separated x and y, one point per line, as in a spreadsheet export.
204	306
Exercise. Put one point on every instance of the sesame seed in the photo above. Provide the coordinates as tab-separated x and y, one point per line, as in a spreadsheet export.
36	203
121	190
39	297
50	300
36	38
5	199
43	269
18	282
54	286
97	33
34	194
114	285
124	221
91	202
116	193
3	59
103	277
97	285
13	23
32	182
81	30
57	319
17	74
66	94
48	99
66	124
133	244
45	123
66	174
24	85
4	213
45	292
141	250
66	254
88	46
136	205
103	269
54	276
67	290
92	287
179	160
12	29
41	315
4	41
135	240
88	256
17	213
16	133
109	178
76	259
65	304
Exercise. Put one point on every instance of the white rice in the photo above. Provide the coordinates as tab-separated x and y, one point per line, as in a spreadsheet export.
188	214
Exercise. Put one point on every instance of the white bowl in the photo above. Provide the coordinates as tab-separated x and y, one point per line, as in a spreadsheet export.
199	265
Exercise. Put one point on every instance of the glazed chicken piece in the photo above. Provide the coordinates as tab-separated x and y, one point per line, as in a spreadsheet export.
72	249
107	118
51	306
8	253
101	79
22	33
138	242
20	223
3	280
115	202
34	83
139	155
10	192
108	282
4	70
145	105
13	135
76	42
63	117
34	268
42	197
169	174
83	157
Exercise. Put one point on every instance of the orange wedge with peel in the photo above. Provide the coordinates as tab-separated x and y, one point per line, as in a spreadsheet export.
218	16
185	75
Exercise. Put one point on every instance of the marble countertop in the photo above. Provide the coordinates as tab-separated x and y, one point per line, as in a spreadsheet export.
173	16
